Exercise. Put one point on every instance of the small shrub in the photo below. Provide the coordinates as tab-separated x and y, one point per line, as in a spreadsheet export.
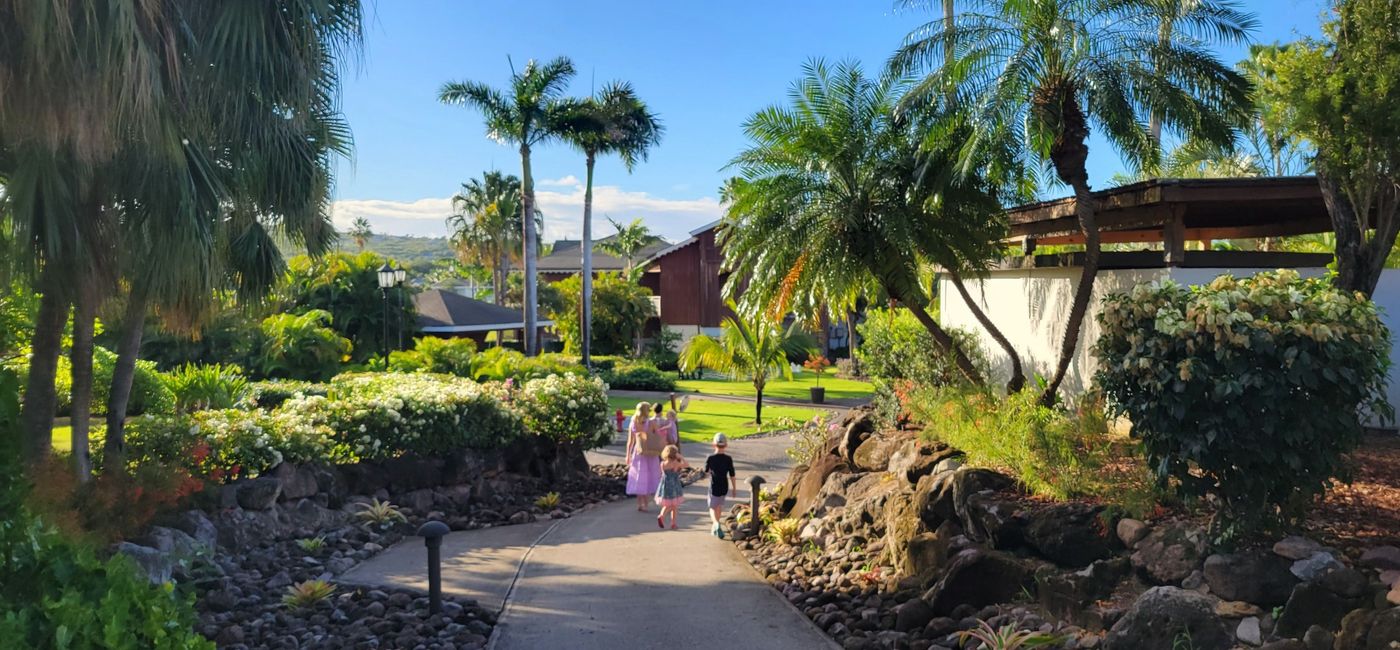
380	513
272	393
818	365
784	531
307	594
809	439
569	409
230	443
1006	638
1247	390
548	501
664	351
148	391
894	345
433	354
312	545
638	376
110	507
849	368
302	346
213	386
500	364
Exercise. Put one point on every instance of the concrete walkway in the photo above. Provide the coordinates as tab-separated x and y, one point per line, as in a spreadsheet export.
608	578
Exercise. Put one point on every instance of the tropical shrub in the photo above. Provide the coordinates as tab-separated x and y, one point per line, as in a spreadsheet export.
226	444
381	514
58	594
214	386
664	351
1054	453
378	415
638	376
620	311
307	594
894	345
148	391
500	364
432	354
1249	390
569	409
302	346
346	286
272	393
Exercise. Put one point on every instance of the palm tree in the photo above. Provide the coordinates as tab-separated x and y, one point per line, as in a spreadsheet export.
486	228
835	201
613	121
533	112
755	350
629	240
1033	77
360	231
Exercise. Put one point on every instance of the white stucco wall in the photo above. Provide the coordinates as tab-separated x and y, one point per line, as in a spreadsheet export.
1031	307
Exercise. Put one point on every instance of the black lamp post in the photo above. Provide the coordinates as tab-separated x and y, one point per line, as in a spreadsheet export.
399	275
386	280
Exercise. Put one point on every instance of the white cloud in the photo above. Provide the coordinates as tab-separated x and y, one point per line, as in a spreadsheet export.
567	181
672	219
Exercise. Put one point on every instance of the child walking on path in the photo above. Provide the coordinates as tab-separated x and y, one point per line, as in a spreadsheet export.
720	466
671	492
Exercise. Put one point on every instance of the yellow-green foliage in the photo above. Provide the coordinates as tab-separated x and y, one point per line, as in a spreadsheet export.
548	501
307	594
1054	453
784	531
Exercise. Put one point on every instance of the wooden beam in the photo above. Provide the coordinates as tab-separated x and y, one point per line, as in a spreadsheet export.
1174	238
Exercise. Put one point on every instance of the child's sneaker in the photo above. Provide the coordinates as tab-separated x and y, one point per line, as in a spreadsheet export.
717	531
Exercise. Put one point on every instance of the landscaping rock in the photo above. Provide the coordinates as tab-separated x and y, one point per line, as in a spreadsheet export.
1345	582
297	482
804	492
155	564
258	494
1313	604
857	430
1296	547
901	523
196	524
1067	595
914	614
1258	577
917	459
1316	565
239	529
1069	534
1237	609
412	472
1000	522
1248	632
1131	531
1170	553
978	578
1318	638
1162	616
1382	558
1284	644
172	541
874	454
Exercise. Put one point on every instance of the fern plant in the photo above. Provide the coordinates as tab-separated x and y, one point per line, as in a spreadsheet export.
203	387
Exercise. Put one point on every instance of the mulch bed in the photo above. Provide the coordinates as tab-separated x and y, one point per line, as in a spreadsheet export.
1365	512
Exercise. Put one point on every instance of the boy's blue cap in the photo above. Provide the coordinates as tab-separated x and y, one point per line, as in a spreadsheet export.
721	439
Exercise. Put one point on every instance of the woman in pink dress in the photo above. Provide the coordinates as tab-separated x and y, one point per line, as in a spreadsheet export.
644	446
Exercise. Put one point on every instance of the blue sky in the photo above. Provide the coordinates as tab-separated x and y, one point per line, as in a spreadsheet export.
704	67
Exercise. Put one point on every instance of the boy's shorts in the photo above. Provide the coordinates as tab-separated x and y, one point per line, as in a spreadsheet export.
716	501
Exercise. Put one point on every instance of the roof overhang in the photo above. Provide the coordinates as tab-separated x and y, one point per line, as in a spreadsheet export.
486	327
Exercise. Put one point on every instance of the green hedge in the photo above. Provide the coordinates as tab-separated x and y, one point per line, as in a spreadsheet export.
638	376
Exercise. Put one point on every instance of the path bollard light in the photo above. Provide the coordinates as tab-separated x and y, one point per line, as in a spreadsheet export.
755	485
432	533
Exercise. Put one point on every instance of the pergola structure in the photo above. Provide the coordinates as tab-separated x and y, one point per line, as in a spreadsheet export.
1176	211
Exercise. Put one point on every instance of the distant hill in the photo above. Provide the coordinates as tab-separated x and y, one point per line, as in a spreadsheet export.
413	251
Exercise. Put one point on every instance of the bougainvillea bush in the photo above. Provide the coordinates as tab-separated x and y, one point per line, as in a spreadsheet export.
570	409
1248	390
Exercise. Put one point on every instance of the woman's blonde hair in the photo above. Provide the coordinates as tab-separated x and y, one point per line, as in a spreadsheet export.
642	407
671	452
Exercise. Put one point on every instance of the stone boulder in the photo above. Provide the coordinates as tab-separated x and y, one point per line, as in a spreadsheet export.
1312	604
360	478
874	454
858	427
258	494
916	459
1067	595
1258	577
928	552
1369	629
803	495
155	564
1069	534
1382	558
413	472
912	615
1295	547
297	482
306	517
172	541
240	529
197	525
1131	531
991	518
978	578
1166	618
902	524
1170	553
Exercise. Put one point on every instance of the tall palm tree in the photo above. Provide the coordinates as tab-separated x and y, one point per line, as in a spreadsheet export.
360	231
532	111
1033	77
834	201
486	228
612	121
627	242
756	350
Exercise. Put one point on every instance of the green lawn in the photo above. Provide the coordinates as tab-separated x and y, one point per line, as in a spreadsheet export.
704	418
795	389
63	438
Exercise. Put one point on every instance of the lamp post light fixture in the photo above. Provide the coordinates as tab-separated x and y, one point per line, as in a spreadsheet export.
399	275
387	276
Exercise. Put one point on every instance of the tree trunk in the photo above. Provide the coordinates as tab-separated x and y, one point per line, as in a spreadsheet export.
1018	378
128	350
530	306
40	395
80	360
1068	155
586	310
1359	262
946	342
758	405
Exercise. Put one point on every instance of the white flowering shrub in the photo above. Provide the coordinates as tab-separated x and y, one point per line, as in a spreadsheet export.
1250	390
230	443
566	408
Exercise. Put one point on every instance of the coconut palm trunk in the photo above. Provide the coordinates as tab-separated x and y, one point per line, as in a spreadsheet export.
80	360
128	350
1068	155
1017	381
527	183
946	343
40	394
586	304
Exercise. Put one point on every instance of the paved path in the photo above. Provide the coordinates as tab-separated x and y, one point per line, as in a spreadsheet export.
831	403
609	579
